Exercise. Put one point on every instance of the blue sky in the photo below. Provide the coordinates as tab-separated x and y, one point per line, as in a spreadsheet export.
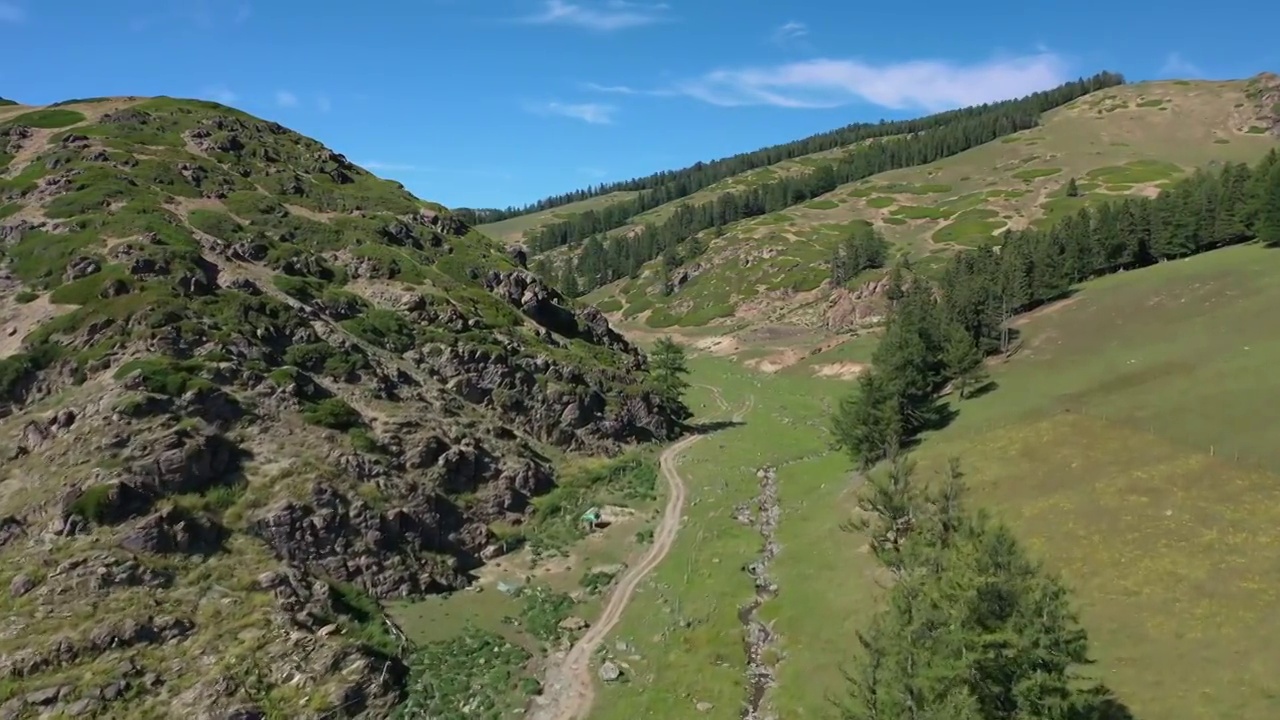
498	102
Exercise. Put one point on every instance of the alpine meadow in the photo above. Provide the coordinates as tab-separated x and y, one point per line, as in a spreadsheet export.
966	413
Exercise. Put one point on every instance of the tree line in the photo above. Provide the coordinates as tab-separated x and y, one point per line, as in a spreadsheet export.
663	187
935	337
965	130
972	628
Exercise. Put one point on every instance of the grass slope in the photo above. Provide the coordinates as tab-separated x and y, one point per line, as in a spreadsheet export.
1130	444
512	230
1124	140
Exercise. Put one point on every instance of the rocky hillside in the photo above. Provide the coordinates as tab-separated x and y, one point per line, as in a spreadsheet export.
247	391
773	269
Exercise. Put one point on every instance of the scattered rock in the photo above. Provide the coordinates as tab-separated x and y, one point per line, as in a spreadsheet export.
609	671
21	584
574	624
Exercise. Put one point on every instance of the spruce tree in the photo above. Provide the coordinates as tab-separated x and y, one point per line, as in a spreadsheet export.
668	368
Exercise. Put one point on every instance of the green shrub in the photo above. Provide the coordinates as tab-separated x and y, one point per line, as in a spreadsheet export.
166	376
476	674
385	328
543	610
25	296
93	503
332	413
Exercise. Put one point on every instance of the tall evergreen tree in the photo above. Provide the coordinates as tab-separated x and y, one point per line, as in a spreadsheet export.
668	369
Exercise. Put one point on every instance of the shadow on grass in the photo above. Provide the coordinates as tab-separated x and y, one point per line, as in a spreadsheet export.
714	426
977	392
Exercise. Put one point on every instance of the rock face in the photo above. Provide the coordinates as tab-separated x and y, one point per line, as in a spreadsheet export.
265	393
860	307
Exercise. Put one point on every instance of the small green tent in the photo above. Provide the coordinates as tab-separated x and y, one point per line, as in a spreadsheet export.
591	517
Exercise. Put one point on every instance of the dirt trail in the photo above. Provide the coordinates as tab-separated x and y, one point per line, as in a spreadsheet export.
569	688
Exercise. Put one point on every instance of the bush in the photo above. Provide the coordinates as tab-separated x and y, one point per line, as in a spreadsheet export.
543	611
93	503
166	376
333	413
385	328
474	675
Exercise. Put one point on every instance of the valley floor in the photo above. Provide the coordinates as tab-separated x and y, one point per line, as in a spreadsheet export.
1130	444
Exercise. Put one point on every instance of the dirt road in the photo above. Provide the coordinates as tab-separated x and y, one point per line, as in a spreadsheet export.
569	689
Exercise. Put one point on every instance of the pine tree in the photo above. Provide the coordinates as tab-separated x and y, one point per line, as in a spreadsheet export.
668	368
962	360
569	281
1072	190
972	628
1268	228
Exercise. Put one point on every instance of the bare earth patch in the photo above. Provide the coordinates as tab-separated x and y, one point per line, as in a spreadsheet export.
777	362
841	370
19	320
720	345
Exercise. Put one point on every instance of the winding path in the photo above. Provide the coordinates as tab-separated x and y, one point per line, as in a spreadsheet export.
569	689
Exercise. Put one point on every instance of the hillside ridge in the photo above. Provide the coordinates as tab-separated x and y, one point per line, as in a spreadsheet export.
771	275
248	391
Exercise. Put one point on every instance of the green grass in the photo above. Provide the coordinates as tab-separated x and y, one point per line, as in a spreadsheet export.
918	212
50	119
822	205
879	202
970	228
1035	173
683	624
1131	443
1151	103
1137	171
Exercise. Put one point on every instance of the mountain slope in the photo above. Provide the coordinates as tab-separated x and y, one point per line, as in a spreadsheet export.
247	391
773	269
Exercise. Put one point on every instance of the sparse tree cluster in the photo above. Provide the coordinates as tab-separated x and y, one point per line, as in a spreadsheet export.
936	337
864	249
972	629
900	144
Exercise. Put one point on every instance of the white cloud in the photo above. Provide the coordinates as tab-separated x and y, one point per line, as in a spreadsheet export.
931	85
11	13
1177	67
387	167
789	31
605	16
594	113
286	99
324	104
220	93
626	90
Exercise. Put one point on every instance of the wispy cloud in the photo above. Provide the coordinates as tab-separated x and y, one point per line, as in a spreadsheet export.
324	104
377	166
1175	66
11	13
220	93
242	14
593	172
627	90
930	85
286	99
594	113
789	32
604	16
